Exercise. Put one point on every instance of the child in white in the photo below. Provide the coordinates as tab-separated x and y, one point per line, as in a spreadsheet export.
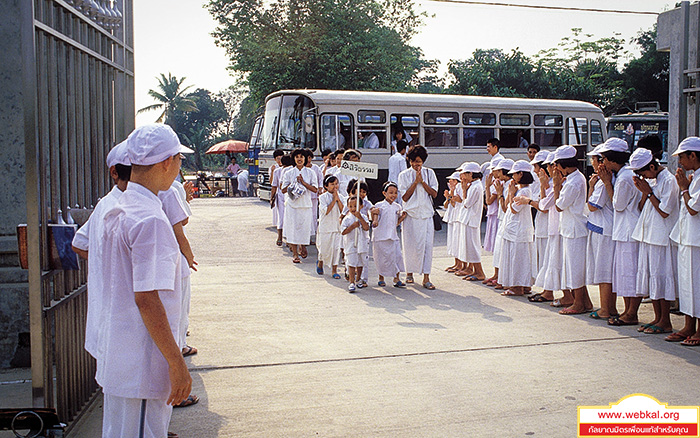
472	207
491	210
355	230
549	275
277	195
501	184
367	205
657	259
450	218
330	204
542	217
387	215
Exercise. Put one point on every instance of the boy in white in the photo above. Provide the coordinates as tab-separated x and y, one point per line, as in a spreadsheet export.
387	215
569	187
88	244
142	371
330	204
470	211
625	201
418	186
686	235
450	218
656	268
355	230
297	184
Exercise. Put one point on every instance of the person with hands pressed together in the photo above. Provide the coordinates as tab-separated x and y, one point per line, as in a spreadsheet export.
355	231
502	182
297	185
387	215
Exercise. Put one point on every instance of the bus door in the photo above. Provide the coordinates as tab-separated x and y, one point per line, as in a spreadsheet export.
409	124
336	131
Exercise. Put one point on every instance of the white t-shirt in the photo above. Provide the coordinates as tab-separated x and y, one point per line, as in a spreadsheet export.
243	180
518	225
685	232
371	141
625	203
289	177
89	238
397	164
473	205
420	204
388	221
651	227
176	212
319	178
140	254
601	220
329	223
277	178
553	215
572	202
357	240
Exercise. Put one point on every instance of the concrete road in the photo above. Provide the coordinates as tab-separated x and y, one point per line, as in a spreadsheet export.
284	352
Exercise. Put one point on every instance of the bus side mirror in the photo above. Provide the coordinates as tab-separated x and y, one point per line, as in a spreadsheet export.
309	123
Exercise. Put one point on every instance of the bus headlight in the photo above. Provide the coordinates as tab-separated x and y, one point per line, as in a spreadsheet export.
261	178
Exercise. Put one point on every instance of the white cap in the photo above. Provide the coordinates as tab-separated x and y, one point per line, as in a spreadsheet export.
461	166
485	167
151	144
564	152
614	144
549	159
640	158
118	155
471	167
689	144
540	157
455	175
504	164
520	166
596	151
494	162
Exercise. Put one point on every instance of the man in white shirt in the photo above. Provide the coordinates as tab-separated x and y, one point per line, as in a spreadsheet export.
142	372
397	162
493	148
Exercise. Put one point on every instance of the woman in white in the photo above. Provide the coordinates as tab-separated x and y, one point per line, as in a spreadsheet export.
387	215
501	184
518	264
297	184
318	173
541	218
599	254
625	201
686	235
656	269
491	211
471	210
330	204
277	195
450	218
418	186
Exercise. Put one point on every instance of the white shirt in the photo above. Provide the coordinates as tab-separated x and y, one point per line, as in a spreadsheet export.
319	178
357	240
397	164
492	208
176	212
277	178
572	202
329	223
140	255
518	225
473	205
420	204
89	238
651	227
289	177
685	232
243	180
601	220
625	204
553	215
388	221
371	141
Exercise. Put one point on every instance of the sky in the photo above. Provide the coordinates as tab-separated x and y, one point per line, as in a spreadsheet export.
179	41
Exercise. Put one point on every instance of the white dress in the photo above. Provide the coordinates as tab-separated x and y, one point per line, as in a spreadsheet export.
599	248
549	275
626	212
491	223
469	223
502	222
418	229
328	237
685	234
518	264
297	211
572	227
385	240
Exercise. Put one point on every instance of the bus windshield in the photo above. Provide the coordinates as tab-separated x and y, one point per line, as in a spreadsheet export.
288	123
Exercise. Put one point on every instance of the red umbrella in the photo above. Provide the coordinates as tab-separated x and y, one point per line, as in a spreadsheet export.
228	146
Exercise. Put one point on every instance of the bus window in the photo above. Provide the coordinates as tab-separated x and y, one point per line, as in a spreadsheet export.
596	132
409	124
291	131
477	136
269	131
442	136
549	131
577	129
514	138
336	131
371	138
366	116
440	118
515	119
488	119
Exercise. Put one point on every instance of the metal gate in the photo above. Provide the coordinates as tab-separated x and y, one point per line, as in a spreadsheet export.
78	87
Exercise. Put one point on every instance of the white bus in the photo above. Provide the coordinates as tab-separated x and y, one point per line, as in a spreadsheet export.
453	128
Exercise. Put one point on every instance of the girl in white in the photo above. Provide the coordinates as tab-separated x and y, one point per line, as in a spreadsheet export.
418	186
625	201
314	196
459	234
277	195
501	184
330	204
491	211
297	184
541	218
471	209
387	216
360	188
599	254
686	235
277	156
355	230
657	259
518	263
450	218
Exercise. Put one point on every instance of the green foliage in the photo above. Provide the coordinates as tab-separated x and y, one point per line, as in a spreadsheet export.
647	75
170	98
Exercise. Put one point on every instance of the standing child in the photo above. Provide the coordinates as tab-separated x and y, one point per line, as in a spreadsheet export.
277	156
298	184
387	216
360	188
277	195
542	216
355	230
472	207
501	185
657	259
330	204
451	219
314	196
492	209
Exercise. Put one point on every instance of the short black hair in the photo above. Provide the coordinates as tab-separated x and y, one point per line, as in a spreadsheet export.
388	184
617	157
477	175
328	179
526	178
494	141
123	172
278	153
287	160
534	146
309	153
353	183
416	152
401	146
350	152
568	162
326	152
302	152
653	143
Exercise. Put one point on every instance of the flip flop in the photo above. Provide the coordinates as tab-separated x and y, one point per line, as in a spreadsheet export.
617	322
510	293
319	270
188	351
173	435
279	243
656	330
538	298
558	303
644	327
428	285
410	280
189	401
499	287
691	342
381	283
675	337
487	281
399	284
569	311
336	276
491	283
296	260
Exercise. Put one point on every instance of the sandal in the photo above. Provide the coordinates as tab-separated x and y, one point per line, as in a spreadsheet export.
471	278
656	330
510	293
409	279
399	284
675	337
336	276
296	260
538	298
173	435
644	327
558	303
188	351
691	342
570	311
499	287
428	285
279	243
618	322
319	270
189	401
381	283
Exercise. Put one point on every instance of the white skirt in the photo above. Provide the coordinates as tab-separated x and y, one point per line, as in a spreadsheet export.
689	280
297	225
328	245
491	231
417	238
356	259
472	244
656	272
573	272
599	258
624	280
518	264
549	276
451	228
388	257
314	218
279	206
497	245
541	245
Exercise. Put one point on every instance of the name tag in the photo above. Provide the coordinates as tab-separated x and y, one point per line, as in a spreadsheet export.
356	168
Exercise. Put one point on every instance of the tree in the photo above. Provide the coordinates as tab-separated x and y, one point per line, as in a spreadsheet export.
334	44
171	99
647	75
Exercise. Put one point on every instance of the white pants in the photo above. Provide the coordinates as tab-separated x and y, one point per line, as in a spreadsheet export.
137	418
417	236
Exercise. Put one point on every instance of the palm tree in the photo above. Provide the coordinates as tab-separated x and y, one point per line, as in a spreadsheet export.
171	98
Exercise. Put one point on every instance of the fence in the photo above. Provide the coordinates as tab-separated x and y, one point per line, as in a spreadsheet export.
78	89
